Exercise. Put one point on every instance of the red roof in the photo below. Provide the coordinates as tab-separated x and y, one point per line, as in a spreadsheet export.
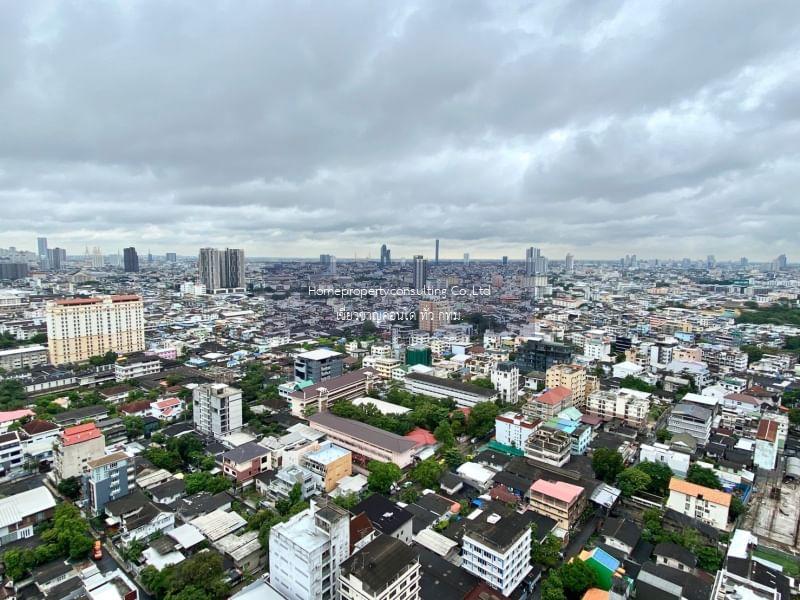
13	415
81	433
565	492
168	403
421	436
125	298
767	430
554	396
77	301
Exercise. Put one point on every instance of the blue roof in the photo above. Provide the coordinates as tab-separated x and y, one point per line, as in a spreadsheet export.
605	559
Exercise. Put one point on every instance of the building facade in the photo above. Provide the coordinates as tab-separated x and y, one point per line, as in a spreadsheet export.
217	409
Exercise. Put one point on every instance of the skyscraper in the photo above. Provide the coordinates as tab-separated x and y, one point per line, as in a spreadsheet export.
420	272
130	259
436	260
466	259
221	270
386	256
56	258
171	257
569	263
535	263
41	245
505	261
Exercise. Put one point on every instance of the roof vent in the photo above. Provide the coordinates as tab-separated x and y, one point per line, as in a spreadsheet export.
493	518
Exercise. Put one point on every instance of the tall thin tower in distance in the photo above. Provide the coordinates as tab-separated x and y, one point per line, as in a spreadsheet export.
436	259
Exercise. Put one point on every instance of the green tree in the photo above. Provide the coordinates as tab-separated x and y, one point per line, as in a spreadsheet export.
794	416
607	464
737	508
453	458
347	501
576	578
109	358
134	426
70	488
382	476
203	481
547	554
18	563
709	559
659	473
663	435
444	434
632	481
483	382
703	476
409	495
12	394
481	418
427	473
634	383
553	587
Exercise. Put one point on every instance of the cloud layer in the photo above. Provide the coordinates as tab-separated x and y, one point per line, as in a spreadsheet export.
666	129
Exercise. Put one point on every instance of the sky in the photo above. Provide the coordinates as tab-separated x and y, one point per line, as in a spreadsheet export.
602	128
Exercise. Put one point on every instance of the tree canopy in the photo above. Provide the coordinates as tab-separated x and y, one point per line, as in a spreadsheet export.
382	476
607	464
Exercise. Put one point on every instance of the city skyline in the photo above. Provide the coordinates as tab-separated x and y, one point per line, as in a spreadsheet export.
120	140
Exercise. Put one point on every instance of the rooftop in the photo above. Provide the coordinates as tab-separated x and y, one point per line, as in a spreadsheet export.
81	433
379	563
692	489
363	432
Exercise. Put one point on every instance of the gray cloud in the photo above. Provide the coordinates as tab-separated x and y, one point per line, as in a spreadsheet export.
661	128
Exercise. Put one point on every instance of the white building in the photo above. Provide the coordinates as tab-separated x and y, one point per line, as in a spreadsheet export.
661	453
25	357
217	409
630	406
692	419
79	328
138	365
596	345
497	549
307	551
384	568
706	504
21	512
513	429
505	379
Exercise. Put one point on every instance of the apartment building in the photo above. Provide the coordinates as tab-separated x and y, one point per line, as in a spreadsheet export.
384	366
690	418
136	365
513	429
630	406
331	463
318	365
549	445
465	395
723	359
365	441
548	404
78	445
217	409
539	355
321	396
706	504
574	378
596	344
79	328
222	271
107	478
11	455
562	502
26	357
384	568
244	462
306	552
505	379
497	549
662	453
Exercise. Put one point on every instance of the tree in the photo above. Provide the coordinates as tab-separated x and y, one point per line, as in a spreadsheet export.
368	327
607	464
12	394
702	476
652	528
659	473
737	508
206	482
481	418
426	474
483	382
409	495
382	476
634	383
663	435
444	434
709	558
109	358
453	458
632	481
347	501
576	578
70	488
553	587
134	426
794	416
547	554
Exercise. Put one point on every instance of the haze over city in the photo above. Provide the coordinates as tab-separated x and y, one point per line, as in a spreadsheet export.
665	129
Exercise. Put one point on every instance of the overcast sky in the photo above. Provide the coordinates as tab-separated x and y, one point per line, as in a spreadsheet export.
665	129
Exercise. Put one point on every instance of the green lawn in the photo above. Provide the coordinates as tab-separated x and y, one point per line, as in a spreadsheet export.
790	564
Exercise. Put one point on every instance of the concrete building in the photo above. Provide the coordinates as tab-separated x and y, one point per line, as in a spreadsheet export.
307	551
384	568
706	504
513	429
130	260
433	314
596	345
464	394
548	404
365	441
79	328
497	550
107	478
11	455
767	444
26	357
549	445
661	453
540	355
331	463
562	502
221	271
136	365
321	396
630	406
574	378
420	273
318	365
505	379
20	513
217	409
78	445
244	462
692	419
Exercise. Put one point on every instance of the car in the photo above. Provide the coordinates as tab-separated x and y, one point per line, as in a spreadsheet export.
97	550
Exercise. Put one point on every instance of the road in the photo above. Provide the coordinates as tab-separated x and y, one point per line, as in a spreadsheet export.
579	540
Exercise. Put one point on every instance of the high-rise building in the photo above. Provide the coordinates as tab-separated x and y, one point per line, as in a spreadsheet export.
41	245
539	355
385	256
420	272
306	552
466	259
56	258
535	263
97	259
780	263
171	257
79	328
221	271
318	365
13	270
107	478
130	260
217	409
328	262
360	580
711	261
569	263
332	266
505	261
433	314
436	259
